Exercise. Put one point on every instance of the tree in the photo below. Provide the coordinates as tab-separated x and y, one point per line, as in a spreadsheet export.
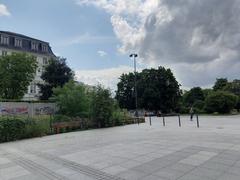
72	99
157	90
220	84
57	73
195	94
16	73
102	107
233	87
221	102
125	91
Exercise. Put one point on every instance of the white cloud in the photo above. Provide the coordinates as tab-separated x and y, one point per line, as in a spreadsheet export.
107	77
200	40
4	10
102	53
86	39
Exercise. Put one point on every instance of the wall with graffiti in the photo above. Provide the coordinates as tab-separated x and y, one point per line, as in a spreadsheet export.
25	108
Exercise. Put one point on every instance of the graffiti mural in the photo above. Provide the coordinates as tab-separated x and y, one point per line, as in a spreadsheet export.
13	110
46	110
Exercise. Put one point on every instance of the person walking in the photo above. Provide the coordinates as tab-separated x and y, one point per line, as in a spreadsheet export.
191	113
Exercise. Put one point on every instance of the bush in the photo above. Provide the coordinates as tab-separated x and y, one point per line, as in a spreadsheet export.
102	107
120	117
11	129
61	118
36	127
238	104
72	100
221	102
15	128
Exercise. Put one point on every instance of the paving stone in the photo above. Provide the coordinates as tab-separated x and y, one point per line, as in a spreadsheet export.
13	172
228	176
169	174
208	173
132	175
152	177
131	152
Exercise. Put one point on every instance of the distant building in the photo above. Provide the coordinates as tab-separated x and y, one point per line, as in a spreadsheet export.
12	42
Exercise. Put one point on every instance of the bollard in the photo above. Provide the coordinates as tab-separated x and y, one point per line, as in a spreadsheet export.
164	121
150	120
179	121
197	121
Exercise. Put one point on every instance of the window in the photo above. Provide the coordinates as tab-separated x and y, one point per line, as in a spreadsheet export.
33	88
18	42
45	61
44	48
34	46
4	53
5	40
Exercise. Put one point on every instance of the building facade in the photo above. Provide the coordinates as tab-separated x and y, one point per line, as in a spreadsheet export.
17	43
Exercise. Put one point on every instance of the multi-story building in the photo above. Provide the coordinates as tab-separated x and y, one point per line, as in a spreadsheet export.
13	42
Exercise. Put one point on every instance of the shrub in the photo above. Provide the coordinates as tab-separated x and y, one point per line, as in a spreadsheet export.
120	117
15	128
221	102
102	107
61	118
11	129
72	100
36	127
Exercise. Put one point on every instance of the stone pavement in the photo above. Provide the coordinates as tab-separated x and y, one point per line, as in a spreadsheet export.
131	152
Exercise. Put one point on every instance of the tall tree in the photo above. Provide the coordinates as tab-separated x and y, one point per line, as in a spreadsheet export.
16	73
195	94
233	87
56	74
125	91
102	106
220	84
157	90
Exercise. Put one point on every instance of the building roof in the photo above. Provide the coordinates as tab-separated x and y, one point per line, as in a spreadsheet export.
26	43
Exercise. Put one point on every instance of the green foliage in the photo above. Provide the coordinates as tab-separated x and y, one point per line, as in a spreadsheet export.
56	74
221	102
220	84
11	129
36	127
16	73
61	118
15	128
102	107
192	96
125	91
157	90
199	106
72	100
233	87
238	104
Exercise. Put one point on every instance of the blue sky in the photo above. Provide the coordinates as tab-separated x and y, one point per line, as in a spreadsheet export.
199	44
63	22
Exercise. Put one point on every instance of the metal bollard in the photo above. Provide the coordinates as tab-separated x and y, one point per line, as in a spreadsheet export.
164	121
179	121
150	120
197	121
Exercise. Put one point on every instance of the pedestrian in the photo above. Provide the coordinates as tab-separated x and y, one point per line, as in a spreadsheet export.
191	113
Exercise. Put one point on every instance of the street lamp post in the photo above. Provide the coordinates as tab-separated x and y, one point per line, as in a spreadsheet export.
134	56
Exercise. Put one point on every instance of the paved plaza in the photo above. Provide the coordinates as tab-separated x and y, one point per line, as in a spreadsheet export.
131	152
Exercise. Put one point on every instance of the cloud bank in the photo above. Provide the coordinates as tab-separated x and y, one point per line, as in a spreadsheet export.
107	77
4	10
199	40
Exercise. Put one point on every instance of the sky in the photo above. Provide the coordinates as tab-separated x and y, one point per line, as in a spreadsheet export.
198	39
